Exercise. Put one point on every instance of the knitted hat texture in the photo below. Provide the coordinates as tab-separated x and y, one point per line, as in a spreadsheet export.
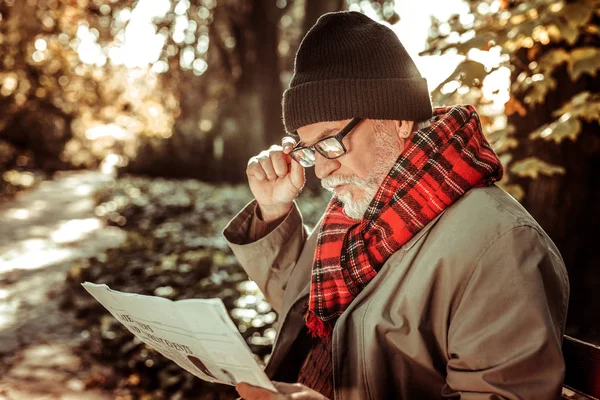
349	66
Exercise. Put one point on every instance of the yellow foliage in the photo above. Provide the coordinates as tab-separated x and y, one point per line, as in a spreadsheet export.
584	105
583	60
577	14
566	127
533	167
513	106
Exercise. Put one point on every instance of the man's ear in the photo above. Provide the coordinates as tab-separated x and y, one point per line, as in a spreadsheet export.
403	128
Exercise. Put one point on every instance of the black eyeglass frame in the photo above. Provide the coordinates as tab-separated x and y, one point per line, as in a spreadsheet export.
339	136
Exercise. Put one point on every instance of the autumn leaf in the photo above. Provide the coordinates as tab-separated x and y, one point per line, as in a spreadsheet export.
584	105
577	100
539	80
566	127
533	52
584	60
577	14
470	72
504	4
500	134
533	167
565	32
514	106
505	144
550	60
539	86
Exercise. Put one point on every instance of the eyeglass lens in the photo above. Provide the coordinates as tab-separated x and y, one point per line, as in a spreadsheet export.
329	148
306	157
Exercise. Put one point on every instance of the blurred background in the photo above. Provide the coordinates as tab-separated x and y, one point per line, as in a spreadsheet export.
126	126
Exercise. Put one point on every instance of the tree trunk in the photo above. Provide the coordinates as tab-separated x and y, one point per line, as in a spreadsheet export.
255	114
314	9
568	206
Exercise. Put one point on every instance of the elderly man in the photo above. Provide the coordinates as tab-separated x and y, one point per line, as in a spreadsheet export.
422	280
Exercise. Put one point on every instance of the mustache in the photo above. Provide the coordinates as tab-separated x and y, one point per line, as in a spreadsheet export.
331	182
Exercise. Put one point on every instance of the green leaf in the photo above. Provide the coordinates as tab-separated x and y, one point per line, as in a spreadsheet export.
533	167
584	60
567	126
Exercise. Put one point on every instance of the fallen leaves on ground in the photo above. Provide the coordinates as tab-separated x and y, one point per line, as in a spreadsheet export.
174	249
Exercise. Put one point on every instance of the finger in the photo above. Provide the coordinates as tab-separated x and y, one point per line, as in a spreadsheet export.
287	388
255	170
267	165
297	175
279	163
288	143
250	392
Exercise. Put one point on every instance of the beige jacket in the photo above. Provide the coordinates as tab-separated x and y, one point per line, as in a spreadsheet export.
472	307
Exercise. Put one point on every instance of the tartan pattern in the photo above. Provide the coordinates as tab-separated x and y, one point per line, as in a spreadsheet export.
440	163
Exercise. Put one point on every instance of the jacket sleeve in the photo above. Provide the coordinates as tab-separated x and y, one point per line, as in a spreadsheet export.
504	338
268	260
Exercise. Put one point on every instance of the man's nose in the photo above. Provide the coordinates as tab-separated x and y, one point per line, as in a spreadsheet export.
324	166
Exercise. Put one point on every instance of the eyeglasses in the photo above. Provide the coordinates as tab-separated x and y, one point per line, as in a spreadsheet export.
330	147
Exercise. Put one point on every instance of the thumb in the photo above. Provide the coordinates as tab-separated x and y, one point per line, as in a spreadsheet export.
250	392
288	388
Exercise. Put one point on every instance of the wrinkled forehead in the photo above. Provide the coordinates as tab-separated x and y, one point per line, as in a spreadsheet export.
310	134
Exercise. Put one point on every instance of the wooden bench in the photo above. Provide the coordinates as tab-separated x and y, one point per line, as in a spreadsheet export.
582	361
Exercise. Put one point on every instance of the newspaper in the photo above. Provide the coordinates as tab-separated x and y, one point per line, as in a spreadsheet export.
195	333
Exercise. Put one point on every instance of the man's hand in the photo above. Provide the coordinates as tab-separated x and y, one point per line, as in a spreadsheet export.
286	391
275	179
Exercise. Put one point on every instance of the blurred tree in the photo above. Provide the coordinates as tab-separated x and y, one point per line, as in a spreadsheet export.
549	142
25	107
178	87
59	95
231	107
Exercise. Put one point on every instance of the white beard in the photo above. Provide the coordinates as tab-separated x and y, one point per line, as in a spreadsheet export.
355	208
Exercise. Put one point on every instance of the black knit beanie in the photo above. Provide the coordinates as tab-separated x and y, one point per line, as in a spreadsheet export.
351	66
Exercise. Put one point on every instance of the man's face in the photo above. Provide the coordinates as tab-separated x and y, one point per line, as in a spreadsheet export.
372	149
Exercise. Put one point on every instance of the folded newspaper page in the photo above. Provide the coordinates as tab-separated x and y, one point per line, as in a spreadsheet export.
195	333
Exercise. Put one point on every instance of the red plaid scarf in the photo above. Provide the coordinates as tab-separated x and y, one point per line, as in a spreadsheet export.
439	164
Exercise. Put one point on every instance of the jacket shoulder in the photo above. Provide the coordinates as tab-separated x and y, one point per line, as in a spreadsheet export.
478	219
494	206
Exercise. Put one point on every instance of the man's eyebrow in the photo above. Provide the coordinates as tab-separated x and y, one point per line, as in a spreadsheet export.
326	132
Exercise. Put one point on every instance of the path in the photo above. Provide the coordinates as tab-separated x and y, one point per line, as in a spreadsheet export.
41	232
